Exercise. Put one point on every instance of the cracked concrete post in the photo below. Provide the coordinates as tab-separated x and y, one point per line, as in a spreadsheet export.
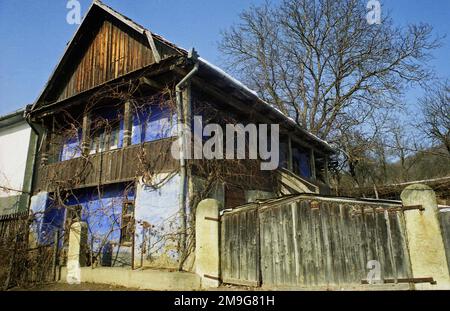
207	260
425	243
76	255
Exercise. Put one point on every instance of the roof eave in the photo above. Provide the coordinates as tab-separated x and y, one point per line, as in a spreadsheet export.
252	94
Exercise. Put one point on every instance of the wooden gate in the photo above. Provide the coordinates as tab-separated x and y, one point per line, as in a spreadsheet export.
240	247
306	242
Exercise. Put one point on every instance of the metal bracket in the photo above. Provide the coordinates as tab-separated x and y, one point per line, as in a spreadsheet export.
211	277
411	207
391	210
212	218
406	280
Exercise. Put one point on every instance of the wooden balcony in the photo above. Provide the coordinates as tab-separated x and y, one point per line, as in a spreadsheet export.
113	166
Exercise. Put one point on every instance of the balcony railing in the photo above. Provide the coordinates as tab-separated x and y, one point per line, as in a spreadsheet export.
113	166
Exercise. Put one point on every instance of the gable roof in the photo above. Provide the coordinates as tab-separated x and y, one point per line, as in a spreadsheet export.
97	7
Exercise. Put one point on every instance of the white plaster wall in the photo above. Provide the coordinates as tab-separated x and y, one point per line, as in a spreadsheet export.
14	143
158	208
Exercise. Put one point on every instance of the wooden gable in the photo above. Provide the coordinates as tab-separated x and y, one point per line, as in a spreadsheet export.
107	45
111	53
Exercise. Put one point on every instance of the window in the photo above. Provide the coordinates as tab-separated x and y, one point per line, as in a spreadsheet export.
301	161
71	147
106	132
127	225
284	153
153	123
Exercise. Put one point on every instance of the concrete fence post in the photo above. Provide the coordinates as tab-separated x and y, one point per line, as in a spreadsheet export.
207	260
425	242
76	255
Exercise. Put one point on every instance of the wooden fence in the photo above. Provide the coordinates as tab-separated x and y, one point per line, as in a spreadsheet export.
20	264
307	242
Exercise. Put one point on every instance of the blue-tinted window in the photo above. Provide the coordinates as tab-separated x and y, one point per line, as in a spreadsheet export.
284	153
301	162
102	211
153	123
106	131
71	147
53	219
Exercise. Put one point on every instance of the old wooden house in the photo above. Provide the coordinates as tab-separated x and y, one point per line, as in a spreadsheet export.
108	118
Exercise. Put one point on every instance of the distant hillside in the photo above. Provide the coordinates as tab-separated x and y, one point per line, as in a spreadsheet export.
427	164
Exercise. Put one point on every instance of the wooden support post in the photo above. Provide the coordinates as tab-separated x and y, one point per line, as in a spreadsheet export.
44	146
312	160
152	44
85	141
290	164
55	254
127	124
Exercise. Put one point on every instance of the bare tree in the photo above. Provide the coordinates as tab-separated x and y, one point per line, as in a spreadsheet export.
402	148
436	111
323	64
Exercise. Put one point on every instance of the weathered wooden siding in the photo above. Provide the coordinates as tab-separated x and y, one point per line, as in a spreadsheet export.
12	232
307	243
111	53
444	219
239	240
112	166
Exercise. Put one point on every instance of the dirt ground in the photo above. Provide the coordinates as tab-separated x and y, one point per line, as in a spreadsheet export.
60	286
80	287
105	287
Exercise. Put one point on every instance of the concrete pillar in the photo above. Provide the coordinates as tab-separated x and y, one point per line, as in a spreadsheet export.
425	244
76	256
207	260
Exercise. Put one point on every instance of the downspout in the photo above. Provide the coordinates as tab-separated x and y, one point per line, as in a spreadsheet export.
33	168
182	141
35	158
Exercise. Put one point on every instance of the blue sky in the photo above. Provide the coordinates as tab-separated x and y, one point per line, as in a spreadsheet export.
33	34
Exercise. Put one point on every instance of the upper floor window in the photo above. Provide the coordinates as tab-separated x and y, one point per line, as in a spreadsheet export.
71	145
152	123
106	131
301	161
284	154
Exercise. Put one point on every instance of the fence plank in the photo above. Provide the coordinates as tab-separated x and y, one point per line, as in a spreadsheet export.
305	243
